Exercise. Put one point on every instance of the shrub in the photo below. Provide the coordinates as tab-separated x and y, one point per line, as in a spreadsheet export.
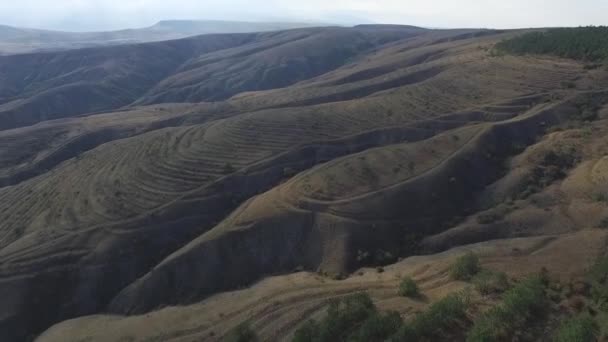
489	282
229	168
356	319
598	276
520	304
342	319
578	329
307	332
465	267
568	84
242	333
435	321
404	334
378	327
408	288
600	197
343	316
525	299
440	316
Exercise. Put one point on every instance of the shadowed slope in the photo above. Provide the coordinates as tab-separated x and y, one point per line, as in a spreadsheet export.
39	87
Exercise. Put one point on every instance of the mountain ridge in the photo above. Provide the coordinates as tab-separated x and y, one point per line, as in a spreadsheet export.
16	40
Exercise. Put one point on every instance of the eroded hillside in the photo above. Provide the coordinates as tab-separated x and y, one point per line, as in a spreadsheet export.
227	159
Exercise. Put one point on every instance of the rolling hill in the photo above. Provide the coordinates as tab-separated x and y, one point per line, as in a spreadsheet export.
173	190
16	40
38	87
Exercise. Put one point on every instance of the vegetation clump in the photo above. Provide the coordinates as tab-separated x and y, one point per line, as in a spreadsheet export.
598	277
354	318
242	333
578	329
582	43
489	282
408	288
465	267
520	305
604	223
378	327
438	318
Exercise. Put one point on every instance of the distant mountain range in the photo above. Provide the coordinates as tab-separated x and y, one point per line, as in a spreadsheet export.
15	40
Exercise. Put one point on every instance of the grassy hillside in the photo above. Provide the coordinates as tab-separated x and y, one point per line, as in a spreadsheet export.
380	145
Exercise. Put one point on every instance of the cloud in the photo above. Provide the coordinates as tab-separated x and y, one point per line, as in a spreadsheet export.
112	14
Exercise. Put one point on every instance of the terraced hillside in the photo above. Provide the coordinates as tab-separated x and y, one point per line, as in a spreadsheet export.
325	150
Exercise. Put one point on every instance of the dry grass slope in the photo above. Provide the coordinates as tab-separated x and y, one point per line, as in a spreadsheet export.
405	141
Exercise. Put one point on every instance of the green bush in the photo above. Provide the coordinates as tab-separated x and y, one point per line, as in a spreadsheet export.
242	333
599	272
598	277
438	318
600	197
578	329
342	319
378	327
489	282
465	267
356	319
525	299
343	316
405	334
308	332
520	305
408	288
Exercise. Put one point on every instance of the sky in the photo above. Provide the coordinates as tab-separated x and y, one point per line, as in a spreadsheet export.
87	15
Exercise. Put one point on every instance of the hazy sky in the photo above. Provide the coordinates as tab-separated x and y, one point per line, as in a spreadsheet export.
112	14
